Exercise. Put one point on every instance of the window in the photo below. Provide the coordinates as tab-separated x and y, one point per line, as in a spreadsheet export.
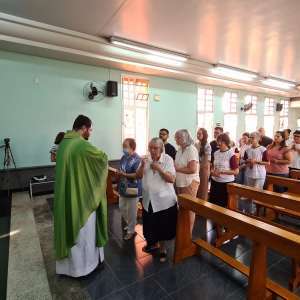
284	115
135	111
205	110
229	102
251	117
269	108
230	114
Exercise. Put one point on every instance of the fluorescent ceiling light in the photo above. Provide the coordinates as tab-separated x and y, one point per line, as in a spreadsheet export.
233	73
277	83
148	49
164	60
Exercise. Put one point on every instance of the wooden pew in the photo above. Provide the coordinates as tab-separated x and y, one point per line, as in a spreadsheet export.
285	203
288	204
293	188
292	185
262	234
111	194
295	174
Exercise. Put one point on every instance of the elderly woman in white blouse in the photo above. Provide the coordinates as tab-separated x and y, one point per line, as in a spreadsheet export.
159	198
187	167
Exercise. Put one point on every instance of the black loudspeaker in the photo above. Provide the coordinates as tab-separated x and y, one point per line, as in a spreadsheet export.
279	107
112	89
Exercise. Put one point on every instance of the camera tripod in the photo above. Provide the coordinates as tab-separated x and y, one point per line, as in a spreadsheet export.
8	155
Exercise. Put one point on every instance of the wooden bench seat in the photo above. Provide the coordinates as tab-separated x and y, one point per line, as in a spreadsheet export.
292	185
278	209
235	264
293	189
286	204
262	234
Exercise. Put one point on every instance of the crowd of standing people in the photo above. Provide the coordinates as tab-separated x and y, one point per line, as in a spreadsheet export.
203	169
197	168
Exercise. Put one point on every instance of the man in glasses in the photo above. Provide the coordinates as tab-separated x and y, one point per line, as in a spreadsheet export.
169	149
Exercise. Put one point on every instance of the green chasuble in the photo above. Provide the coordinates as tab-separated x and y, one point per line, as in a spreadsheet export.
80	189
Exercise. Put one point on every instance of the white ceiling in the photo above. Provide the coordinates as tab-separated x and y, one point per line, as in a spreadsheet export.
258	35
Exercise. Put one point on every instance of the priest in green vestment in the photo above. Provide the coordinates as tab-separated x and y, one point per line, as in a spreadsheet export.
80	206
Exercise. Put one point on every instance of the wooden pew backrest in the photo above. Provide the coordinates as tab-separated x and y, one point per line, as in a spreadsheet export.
281	240
262	234
295	174
293	185
287	201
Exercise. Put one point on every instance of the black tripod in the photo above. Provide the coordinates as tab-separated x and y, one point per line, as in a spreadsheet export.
8	156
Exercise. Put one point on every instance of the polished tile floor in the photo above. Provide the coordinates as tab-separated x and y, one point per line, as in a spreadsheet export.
129	273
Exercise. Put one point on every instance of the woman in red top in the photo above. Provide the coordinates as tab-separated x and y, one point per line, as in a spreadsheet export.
280	158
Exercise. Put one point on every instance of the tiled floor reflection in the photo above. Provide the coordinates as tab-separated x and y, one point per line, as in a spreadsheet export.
129	273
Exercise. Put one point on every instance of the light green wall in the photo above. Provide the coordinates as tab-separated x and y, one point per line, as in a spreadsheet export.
40	97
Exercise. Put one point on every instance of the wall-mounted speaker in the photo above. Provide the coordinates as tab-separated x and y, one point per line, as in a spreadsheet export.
112	89
279	107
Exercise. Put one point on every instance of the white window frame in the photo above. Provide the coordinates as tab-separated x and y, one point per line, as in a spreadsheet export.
269	113
251	114
229	105
133	107
206	110
284	114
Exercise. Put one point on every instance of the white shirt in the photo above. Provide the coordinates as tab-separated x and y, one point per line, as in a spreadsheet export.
181	160
257	171
156	190
296	158
222	163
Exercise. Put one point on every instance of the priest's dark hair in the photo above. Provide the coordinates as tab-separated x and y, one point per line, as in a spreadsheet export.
81	121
